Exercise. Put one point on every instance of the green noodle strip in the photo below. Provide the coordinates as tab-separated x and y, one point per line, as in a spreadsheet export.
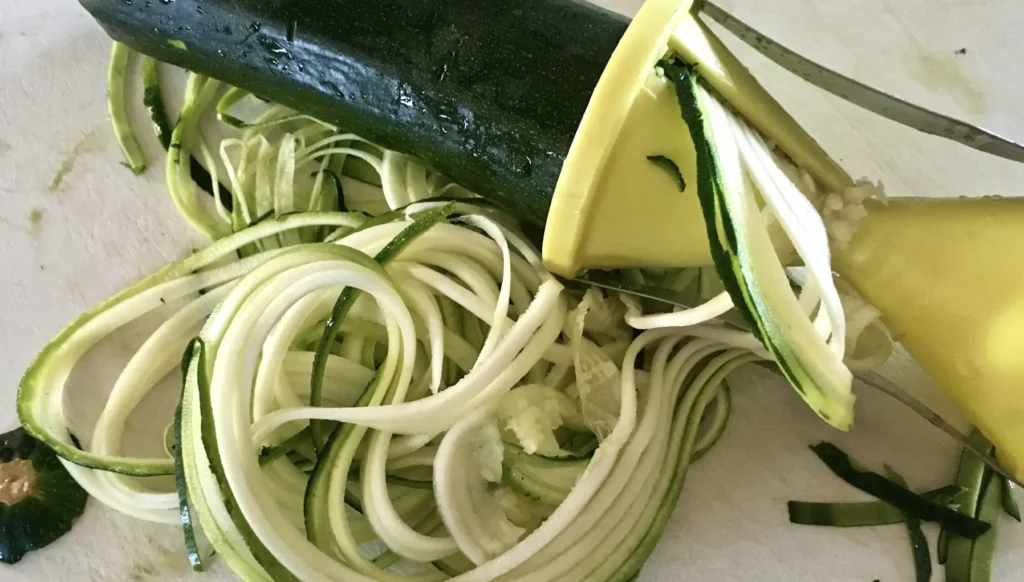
955	551
271	454
343	305
198	94
942	551
187	524
153	99
885	489
1010	499
234	95
918	541
117	76
856	514
984	551
720	419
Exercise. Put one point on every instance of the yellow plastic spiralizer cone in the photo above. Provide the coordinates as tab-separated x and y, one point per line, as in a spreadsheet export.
612	207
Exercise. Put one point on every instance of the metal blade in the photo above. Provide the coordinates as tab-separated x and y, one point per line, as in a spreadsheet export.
870	379
884	385
881	103
644	291
732	319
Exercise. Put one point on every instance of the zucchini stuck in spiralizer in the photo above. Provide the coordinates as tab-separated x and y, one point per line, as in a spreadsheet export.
39	500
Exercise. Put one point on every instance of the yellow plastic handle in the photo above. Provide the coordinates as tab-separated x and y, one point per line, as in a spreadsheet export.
945	275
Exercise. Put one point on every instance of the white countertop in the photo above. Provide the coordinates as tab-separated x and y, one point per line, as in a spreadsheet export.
75	226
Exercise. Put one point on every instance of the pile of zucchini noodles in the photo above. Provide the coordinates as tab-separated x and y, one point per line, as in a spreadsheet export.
381	380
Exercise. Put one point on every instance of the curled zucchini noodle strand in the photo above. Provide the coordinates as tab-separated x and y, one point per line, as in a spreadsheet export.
473	419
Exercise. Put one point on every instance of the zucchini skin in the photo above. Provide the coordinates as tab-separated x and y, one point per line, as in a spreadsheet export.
488	92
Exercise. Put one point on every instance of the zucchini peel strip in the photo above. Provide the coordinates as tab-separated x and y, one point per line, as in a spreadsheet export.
732	165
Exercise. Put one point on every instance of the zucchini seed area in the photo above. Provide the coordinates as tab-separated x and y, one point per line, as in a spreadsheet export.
17	481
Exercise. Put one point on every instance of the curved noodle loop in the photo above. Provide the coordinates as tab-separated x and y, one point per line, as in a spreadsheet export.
402	392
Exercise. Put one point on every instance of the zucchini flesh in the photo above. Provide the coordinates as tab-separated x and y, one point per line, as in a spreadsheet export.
434	79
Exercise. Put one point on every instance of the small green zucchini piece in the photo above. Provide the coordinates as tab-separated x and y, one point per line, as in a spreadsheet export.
857	514
918	541
1010	499
184	507
984	550
117	77
909	502
955	551
153	99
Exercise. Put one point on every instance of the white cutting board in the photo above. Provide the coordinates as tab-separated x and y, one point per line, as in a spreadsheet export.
75	226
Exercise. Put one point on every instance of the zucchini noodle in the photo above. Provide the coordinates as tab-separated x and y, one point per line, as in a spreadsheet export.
117	76
408	396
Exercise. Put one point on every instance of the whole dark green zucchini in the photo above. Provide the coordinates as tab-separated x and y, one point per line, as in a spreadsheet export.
490	92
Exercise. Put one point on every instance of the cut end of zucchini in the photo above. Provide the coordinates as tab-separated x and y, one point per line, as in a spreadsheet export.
38	498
